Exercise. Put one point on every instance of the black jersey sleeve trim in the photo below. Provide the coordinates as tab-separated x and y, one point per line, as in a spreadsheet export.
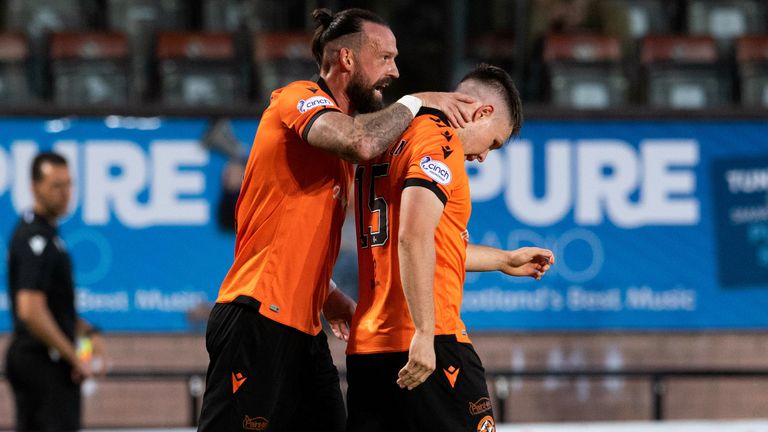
312	120
431	185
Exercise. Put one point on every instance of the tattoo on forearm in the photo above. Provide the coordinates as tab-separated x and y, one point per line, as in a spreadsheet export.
382	128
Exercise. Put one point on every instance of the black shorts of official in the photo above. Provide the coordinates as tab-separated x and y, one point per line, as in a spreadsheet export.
46	397
454	398
266	376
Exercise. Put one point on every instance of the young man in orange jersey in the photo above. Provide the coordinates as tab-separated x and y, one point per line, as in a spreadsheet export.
270	366
412	209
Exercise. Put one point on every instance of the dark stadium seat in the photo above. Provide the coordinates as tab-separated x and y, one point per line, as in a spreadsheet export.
497	48
89	68
140	20
14	83
255	15
38	17
647	17
198	69
280	58
585	71
752	57
726	20
684	72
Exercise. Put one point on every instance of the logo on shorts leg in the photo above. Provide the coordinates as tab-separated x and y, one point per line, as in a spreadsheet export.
482	405
237	380
255	423
452	373
486	425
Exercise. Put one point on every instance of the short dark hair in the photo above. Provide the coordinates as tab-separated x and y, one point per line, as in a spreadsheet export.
498	79
332	26
45	157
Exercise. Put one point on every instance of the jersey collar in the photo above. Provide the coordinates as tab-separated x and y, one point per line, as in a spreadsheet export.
324	87
433	112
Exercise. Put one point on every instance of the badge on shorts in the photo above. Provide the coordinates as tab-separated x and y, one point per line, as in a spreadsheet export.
436	170
486	425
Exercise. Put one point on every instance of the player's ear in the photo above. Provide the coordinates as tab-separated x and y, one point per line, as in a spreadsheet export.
483	111
346	59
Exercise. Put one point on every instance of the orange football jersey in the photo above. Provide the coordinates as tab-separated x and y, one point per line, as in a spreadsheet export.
428	154
290	212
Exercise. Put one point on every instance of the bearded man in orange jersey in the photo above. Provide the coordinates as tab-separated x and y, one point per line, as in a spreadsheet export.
270	366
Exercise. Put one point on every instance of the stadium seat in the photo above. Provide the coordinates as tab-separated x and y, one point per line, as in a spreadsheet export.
752	56
255	15
38	17
14	84
726	20
280	58
585	71
647	17
140	20
198	69
89	68
496	48
683	72
142	17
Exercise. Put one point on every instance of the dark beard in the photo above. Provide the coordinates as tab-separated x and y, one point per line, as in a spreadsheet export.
362	97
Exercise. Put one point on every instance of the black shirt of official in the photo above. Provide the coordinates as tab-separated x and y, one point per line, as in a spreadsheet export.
38	260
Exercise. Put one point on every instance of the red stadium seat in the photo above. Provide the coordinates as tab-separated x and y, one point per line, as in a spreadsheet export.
684	72
679	49
281	58
89	68
726	20
752	57
199	69
14	53
585	71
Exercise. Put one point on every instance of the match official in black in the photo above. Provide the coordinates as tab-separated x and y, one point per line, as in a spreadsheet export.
42	363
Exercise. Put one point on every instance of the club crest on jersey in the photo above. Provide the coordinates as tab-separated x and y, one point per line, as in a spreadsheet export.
436	170
313	102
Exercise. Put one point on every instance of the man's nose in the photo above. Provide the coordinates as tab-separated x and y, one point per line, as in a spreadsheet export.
393	72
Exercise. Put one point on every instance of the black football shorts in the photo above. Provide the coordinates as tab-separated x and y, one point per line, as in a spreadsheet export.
265	376
454	398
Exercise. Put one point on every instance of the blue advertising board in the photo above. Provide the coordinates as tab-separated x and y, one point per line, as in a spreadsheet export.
655	225
142	231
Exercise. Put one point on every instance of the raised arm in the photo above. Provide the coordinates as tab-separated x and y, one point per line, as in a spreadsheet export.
525	261
366	136
420	212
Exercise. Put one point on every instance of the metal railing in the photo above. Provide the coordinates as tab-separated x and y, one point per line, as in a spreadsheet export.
657	379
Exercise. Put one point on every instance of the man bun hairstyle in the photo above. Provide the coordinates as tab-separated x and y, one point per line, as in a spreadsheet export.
45	157
499	80
330	26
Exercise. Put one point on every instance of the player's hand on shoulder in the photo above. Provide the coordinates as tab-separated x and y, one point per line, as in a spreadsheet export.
421	361
458	107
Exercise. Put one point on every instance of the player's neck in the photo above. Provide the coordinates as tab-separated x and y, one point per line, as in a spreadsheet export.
337	83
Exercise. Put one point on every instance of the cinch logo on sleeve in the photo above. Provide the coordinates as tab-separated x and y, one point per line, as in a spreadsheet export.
313	102
436	170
